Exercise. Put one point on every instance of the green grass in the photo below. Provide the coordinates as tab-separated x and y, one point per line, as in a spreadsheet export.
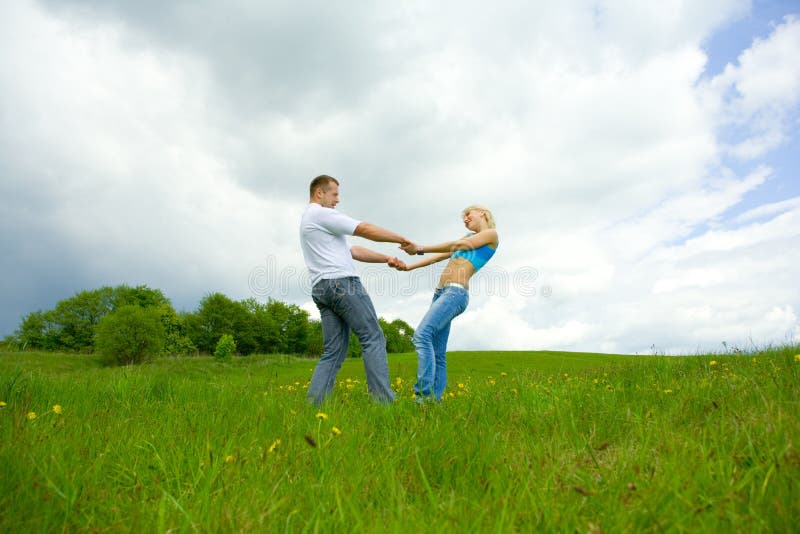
523	441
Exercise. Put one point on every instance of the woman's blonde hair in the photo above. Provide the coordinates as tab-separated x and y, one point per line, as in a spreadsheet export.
484	209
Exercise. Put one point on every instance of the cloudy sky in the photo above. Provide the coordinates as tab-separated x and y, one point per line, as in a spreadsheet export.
642	162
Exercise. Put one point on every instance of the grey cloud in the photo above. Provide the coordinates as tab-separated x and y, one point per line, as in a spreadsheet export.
276	57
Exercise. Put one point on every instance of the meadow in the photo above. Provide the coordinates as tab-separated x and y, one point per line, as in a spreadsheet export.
524	441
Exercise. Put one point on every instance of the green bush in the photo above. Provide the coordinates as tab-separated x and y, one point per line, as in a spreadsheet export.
225	347
131	334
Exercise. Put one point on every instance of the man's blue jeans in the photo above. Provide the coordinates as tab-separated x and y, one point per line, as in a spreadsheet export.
344	305
430	339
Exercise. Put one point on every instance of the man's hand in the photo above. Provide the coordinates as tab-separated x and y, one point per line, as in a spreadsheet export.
410	247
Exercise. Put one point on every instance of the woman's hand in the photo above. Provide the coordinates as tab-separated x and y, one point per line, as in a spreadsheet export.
410	248
397	263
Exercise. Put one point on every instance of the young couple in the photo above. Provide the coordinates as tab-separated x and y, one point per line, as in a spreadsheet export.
344	304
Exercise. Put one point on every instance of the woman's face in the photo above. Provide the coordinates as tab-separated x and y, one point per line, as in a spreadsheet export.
472	220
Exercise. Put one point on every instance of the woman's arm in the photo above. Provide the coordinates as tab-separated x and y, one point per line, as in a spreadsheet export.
474	241
428	260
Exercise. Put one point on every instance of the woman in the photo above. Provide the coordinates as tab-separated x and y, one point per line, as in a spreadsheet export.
467	255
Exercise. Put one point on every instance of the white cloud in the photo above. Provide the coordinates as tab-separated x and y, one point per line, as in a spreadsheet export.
769	209
761	92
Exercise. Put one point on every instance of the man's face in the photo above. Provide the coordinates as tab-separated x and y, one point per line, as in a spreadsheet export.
330	195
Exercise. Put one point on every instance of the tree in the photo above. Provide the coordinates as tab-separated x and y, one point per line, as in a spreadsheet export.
73	320
398	336
218	315
70	326
315	344
131	334
175	339
287	328
225	347
31	332
140	295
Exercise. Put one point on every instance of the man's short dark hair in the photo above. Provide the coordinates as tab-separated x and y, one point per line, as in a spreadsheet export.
323	180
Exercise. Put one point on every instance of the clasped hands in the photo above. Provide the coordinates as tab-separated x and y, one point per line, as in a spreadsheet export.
408	247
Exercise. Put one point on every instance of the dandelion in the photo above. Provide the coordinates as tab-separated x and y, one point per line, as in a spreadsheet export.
230	459
322	416
57	409
350	387
514	391
336	431
274	445
398	381
31	416
460	385
492	382
712	363
667	391
504	374
797	357
3	404
452	395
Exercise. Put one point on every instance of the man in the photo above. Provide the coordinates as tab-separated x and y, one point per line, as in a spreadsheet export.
343	303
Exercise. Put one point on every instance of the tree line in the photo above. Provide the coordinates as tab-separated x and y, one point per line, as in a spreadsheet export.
268	327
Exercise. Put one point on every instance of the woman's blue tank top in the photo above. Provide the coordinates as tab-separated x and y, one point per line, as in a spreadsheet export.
477	256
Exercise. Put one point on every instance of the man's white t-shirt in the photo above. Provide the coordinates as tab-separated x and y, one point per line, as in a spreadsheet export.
325	248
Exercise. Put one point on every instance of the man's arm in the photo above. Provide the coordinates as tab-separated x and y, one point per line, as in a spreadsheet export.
370	256
376	233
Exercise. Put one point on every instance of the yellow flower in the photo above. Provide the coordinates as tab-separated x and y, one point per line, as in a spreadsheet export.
667	391
349	387
230	459
322	416
274	445
2	404
712	363
398	381
460	385
503	374
492	382
797	357
336	431
514	391
57	409
31	415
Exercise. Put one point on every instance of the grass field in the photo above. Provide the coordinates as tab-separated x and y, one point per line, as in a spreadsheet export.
523	441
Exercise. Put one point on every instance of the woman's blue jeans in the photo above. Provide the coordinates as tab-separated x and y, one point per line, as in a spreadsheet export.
430	339
344	305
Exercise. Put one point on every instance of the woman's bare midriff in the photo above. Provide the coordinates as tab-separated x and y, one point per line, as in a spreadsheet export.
458	270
